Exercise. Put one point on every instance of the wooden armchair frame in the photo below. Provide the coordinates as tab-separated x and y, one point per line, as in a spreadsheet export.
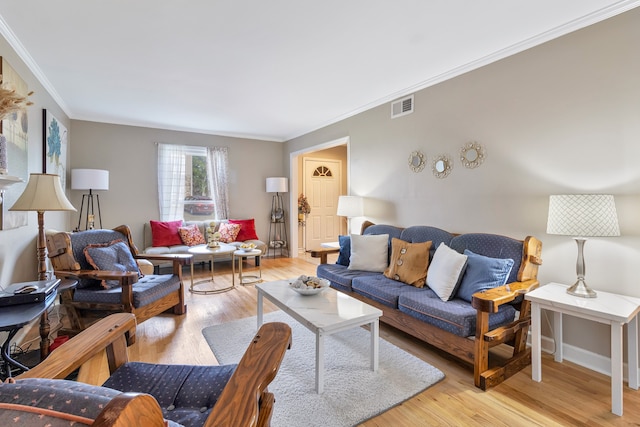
245	400
65	266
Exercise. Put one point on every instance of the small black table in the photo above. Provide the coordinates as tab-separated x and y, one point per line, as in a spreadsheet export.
14	317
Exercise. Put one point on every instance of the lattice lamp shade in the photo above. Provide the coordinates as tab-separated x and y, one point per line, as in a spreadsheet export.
584	215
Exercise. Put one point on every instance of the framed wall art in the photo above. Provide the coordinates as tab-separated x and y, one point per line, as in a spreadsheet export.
54	147
14	127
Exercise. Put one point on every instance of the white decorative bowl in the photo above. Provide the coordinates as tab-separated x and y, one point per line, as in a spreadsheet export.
248	248
324	284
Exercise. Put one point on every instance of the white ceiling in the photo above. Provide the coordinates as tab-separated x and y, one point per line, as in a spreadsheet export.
271	69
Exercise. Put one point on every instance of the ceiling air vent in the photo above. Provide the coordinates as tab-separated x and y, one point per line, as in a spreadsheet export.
402	107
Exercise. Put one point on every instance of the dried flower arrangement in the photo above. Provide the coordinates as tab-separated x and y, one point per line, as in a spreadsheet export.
11	102
303	205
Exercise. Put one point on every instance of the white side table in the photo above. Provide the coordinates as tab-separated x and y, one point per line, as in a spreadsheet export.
241	255
612	309
222	249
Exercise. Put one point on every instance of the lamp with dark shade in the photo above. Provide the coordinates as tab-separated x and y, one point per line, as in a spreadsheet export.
42	193
89	179
581	216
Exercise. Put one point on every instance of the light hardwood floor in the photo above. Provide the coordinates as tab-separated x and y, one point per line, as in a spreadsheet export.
568	394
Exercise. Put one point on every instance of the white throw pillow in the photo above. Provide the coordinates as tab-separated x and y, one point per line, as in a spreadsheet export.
445	271
369	252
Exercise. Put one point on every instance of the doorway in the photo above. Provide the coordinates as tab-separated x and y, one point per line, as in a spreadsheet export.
331	151
322	184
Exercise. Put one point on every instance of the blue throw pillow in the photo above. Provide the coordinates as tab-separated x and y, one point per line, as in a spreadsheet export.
113	256
483	273
345	250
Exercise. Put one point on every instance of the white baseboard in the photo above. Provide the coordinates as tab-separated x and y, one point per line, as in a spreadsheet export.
582	357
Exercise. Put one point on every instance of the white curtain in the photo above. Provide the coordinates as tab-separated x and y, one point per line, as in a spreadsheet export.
171	173
217	172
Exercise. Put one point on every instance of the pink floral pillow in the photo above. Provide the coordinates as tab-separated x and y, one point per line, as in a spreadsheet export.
191	235
228	232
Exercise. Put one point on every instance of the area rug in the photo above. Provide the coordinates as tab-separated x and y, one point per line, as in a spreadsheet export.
352	392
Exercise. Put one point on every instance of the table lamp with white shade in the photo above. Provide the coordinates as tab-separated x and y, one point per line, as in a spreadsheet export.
92	180
350	207
581	216
42	193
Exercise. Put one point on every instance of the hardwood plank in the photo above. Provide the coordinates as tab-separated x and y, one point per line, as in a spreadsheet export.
568	394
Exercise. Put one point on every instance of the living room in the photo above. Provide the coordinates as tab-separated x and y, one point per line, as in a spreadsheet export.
558	118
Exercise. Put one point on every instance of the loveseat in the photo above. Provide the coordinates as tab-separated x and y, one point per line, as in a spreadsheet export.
481	305
167	240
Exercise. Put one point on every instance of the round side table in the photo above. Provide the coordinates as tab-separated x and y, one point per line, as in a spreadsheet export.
241	255
223	249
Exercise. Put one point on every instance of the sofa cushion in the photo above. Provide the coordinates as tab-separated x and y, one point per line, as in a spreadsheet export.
483	273
145	291
112	256
247	229
345	250
445	271
424	233
492	245
181	390
379	288
455	316
369	253
191	235
228	232
340	276
409	262
165	233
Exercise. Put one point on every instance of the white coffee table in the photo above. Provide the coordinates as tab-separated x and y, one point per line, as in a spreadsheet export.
241	255
611	309
323	314
223	249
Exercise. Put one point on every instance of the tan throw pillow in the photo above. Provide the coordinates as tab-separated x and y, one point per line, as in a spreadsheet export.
409	262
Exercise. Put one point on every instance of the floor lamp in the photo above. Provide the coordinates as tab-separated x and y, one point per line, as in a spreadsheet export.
277	225
89	179
42	193
350	207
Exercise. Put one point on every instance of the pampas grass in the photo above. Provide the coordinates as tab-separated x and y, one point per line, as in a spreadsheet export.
11	102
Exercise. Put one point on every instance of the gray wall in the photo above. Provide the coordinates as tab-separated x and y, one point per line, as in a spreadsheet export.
130	155
18	246
563	117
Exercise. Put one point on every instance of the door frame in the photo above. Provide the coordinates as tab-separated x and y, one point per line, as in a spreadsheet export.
294	185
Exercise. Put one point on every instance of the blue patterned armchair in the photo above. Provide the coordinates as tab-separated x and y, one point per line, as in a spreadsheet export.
141	394
109	280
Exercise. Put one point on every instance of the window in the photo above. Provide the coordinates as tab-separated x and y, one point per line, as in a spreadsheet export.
192	182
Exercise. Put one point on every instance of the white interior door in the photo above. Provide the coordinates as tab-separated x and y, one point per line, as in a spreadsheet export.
322	185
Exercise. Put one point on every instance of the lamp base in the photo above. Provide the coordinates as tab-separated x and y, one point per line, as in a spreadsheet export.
580	289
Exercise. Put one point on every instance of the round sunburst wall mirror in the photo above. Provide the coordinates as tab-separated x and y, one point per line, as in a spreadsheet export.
472	155
442	166
416	161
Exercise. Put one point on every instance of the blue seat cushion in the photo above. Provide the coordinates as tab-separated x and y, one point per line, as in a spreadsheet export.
185	393
340	276
455	316
148	289
380	288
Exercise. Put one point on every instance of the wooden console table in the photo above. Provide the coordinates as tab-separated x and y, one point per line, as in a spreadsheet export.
611	309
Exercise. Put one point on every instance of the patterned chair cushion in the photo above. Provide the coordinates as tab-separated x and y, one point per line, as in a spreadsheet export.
60	399
424	233
114	256
379	288
148	289
185	393
340	276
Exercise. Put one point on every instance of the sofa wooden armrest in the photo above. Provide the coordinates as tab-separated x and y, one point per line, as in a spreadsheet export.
245	400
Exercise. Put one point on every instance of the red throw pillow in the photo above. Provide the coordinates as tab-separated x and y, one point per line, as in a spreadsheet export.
247	229
165	233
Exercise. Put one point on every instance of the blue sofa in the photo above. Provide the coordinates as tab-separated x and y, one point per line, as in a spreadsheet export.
495	316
